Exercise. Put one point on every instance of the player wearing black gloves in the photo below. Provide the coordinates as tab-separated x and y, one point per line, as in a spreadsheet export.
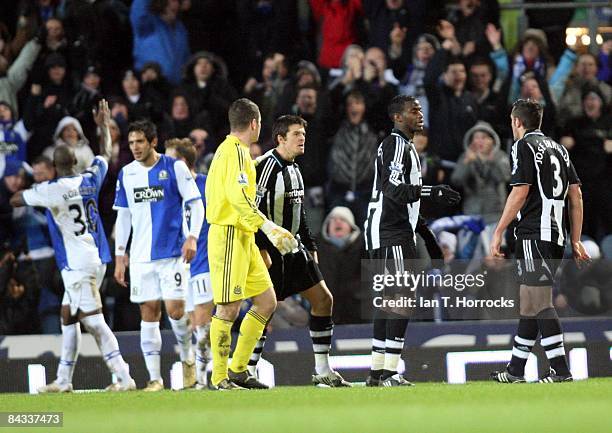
391	226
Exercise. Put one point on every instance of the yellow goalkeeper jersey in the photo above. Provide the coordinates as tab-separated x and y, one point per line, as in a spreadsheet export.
231	186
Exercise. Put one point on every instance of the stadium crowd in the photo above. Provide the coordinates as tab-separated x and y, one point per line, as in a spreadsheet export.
337	64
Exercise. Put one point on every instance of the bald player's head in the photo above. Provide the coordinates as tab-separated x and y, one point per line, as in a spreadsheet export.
64	158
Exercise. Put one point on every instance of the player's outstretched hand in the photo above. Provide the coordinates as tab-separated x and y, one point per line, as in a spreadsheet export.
282	239
189	249
441	194
121	262
581	257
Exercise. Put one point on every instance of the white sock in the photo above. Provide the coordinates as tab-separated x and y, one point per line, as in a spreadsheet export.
151	343
183	337
71	340
378	354
393	353
201	345
107	342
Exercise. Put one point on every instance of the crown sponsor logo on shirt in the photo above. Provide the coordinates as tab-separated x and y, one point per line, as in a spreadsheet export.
163	175
148	194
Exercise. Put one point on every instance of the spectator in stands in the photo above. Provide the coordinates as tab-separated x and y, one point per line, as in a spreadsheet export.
470	19
120	156
153	81
585	74
70	133
159	36
589	141
37	259
453	110
366	72
532	55
351	160
394	26
11	182
182	120
314	161
18	301
13	137
140	105
482	172
206	84
267	92
413	75
86	99
431	172
340	248
13	77
306	74
47	104
338	21
490	107
533	87
201	140
54	41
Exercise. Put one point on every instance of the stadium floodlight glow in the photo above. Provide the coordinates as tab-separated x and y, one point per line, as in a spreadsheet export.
571	40
585	39
37	377
599	39
457	361
358	362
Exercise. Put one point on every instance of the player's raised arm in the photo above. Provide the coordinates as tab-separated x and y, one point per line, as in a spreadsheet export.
38	195
102	118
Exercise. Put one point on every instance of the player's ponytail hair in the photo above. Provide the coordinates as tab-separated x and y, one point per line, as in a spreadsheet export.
241	113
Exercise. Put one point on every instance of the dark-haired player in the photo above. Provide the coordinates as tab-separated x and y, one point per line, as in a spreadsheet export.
280	195
542	177
391	226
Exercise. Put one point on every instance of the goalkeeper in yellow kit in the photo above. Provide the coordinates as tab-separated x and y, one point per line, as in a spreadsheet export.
237	270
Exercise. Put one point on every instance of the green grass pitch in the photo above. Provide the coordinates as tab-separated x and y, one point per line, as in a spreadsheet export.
485	407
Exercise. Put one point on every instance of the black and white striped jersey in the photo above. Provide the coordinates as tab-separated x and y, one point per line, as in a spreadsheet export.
393	211
539	161
280	197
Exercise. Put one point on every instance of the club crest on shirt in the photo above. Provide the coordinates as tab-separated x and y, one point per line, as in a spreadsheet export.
261	191
237	290
242	179
397	167
163	175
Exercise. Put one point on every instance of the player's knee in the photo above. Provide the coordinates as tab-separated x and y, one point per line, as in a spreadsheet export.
177	313
266	306
324	304
228	311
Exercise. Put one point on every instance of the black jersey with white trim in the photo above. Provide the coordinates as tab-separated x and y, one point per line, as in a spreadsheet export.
280	197
539	161
393	211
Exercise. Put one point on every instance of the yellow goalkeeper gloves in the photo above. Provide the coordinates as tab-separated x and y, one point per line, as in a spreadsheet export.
282	239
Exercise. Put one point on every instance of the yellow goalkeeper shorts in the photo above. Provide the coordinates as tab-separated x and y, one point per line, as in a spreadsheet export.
237	270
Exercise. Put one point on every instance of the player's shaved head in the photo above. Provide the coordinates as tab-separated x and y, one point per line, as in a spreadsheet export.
64	158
